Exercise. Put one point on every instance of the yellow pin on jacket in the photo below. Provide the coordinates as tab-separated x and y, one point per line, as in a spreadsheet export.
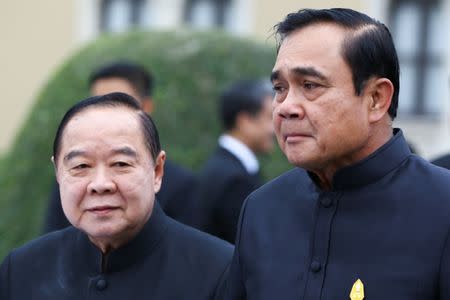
357	292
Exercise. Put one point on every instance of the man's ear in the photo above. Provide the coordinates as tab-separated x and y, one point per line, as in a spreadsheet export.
379	92
148	105
159	170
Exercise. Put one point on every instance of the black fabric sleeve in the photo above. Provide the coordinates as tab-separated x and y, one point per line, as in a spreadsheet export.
444	278
233	287
228	208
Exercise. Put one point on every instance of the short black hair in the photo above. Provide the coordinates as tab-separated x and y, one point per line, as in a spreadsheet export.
149	130
242	96
136	75
369	49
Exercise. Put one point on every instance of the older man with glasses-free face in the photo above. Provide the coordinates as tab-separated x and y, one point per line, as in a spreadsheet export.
121	245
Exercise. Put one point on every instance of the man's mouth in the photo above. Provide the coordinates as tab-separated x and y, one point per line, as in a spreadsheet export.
102	210
295	137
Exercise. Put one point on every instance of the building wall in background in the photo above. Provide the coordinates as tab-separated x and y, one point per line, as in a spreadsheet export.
267	13
36	37
39	38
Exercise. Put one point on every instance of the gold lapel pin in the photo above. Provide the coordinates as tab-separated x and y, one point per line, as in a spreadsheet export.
357	292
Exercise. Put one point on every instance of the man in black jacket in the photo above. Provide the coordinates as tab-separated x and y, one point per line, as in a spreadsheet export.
179	182
232	172
109	165
361	217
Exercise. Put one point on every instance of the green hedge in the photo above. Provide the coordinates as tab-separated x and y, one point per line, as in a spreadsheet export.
190	70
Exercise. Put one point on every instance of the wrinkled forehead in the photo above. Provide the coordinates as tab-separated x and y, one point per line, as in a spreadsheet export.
313	50
97	124
103	115
316	35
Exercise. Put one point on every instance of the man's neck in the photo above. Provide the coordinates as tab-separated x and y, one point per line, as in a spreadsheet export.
376	140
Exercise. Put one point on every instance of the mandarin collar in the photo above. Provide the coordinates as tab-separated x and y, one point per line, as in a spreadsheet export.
374	167
131	253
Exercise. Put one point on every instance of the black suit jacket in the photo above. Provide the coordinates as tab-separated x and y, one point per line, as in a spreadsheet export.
224	184
174	197
386	221
443	161
166	260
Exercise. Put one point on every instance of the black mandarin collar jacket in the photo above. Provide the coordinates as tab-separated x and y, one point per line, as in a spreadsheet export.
166	260
386	221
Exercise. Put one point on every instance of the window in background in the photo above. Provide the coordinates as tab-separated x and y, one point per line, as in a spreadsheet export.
420	41
121	15
205	14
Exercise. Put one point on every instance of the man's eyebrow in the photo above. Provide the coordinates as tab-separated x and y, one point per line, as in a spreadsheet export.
73	154
122	150
274	76
308	71
300	71
125	151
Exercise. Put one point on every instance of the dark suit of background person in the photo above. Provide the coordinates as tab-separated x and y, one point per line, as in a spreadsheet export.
127	77
360	213
232	172
442	161
121	245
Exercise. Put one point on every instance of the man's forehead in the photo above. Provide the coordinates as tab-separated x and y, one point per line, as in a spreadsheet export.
106	113
329	27
307	55
97	123
321	36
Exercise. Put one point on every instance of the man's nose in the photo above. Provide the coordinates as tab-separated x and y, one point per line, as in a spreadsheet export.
101	182
291	107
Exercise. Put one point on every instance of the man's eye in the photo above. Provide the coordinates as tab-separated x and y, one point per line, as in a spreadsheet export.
278	89
310	85
80	166
120	164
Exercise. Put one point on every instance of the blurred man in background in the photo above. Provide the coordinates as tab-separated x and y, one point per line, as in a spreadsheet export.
232	172
178	183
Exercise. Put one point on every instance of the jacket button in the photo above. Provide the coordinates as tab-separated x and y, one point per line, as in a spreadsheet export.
326	202
316	266
101	284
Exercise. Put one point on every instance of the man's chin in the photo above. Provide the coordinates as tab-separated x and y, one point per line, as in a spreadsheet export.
298	160
103	231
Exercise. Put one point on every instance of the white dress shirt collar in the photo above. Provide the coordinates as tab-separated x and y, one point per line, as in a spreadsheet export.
241	151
